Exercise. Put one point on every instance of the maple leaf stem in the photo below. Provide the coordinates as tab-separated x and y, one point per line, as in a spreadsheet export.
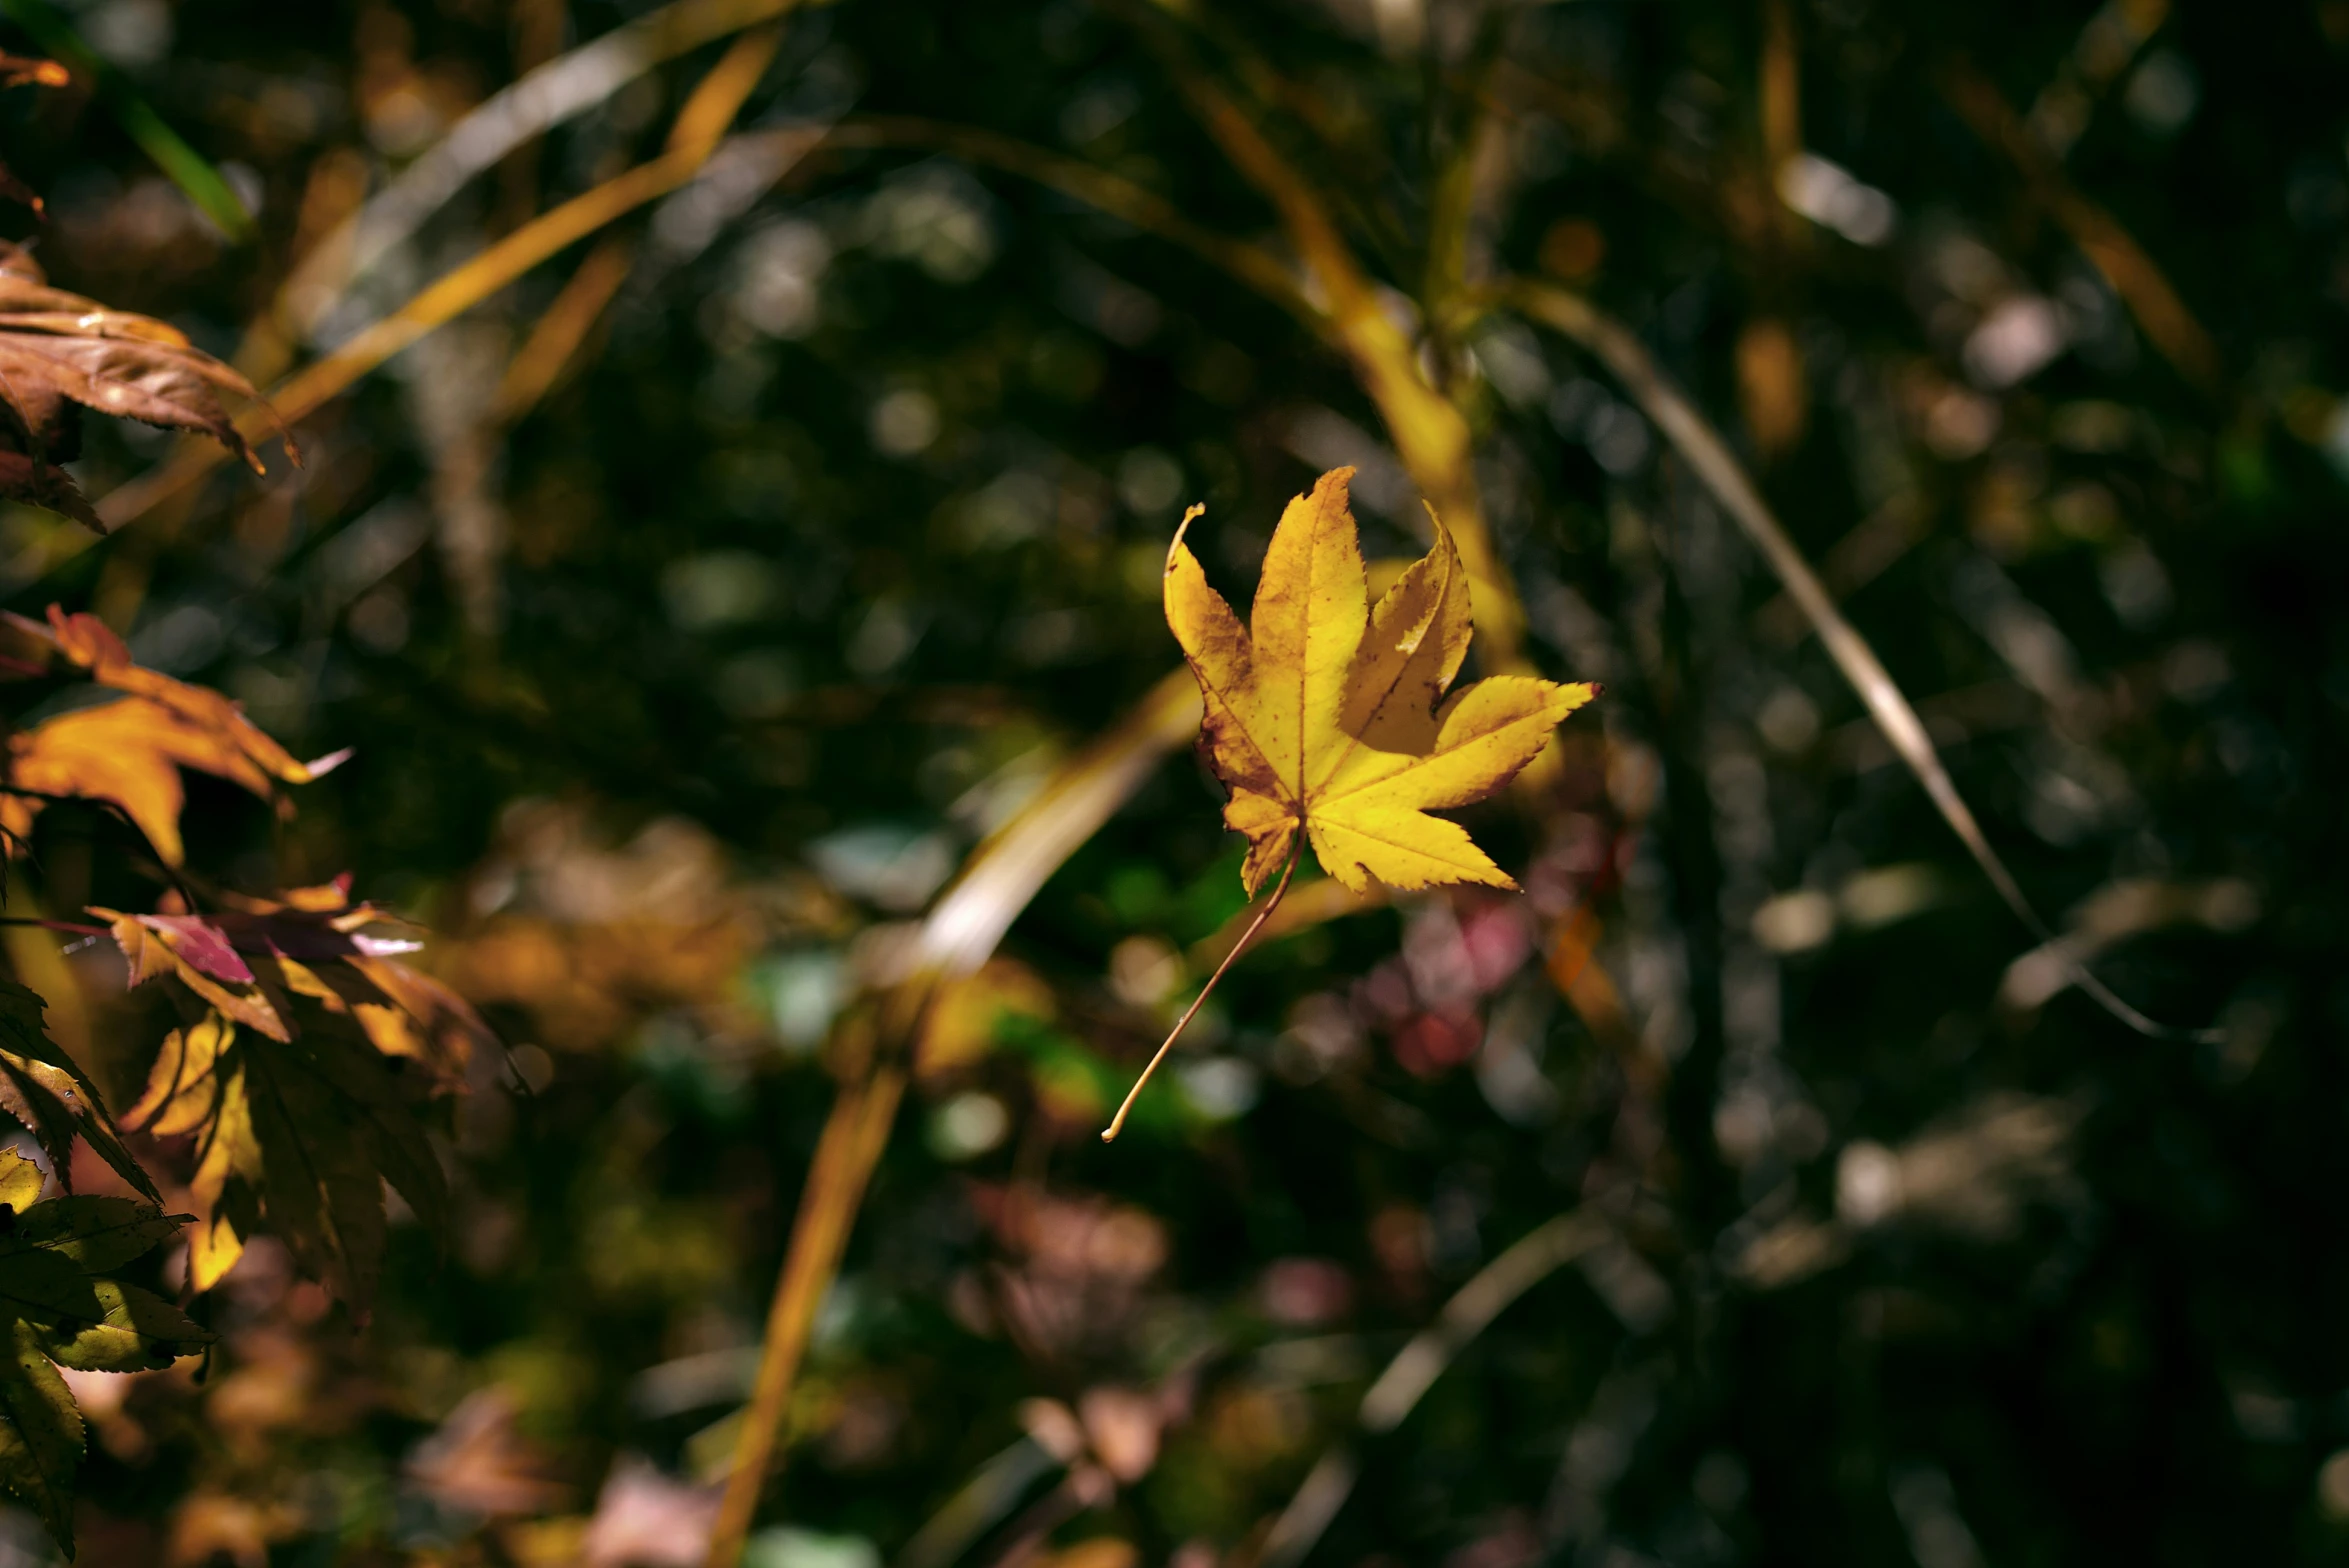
1117	1123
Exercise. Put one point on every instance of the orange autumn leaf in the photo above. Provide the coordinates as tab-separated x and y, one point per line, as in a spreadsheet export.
129	752
1323	716
88	645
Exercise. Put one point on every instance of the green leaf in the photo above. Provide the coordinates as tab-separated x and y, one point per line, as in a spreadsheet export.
40	1434
98	1233
139	1331
55	1311
44	1088
24	1031
46	1287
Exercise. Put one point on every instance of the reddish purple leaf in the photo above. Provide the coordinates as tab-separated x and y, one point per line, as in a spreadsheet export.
203	945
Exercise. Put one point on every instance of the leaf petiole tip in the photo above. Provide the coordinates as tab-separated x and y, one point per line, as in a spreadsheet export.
1117	1123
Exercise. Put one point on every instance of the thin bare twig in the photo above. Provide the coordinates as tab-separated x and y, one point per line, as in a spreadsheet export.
1875	543
1316	903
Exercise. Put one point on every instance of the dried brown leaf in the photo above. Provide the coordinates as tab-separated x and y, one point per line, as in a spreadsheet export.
58	349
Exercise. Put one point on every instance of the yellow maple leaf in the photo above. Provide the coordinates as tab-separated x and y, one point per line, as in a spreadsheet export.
1322	712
